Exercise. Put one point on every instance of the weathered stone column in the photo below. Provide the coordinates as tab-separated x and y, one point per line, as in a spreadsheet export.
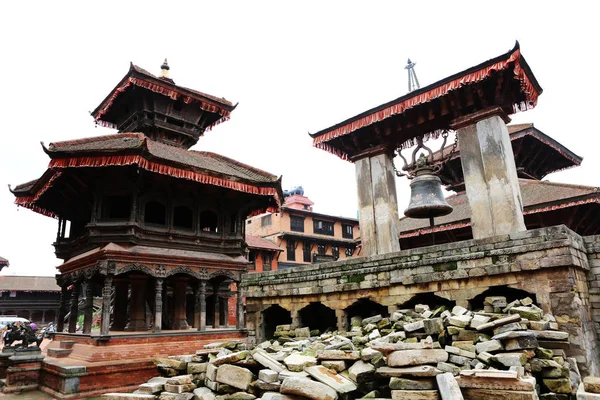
74	307
239	307
217	320
202	303
88	310
62	308
341	318
377	204
106	297
179	300
490	174
158	289
137	305
120	306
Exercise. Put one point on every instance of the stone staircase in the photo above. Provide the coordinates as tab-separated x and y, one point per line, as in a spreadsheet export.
64	349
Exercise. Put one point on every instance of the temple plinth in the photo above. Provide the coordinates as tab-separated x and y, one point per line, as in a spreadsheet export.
474	102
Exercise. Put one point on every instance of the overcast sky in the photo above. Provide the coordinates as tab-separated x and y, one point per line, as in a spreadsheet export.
292	68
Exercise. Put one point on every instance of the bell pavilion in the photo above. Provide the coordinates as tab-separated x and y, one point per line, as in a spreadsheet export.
154	228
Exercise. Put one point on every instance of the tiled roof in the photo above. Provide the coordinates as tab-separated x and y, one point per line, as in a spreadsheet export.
29	284
256	242
535	194
3	262
196	159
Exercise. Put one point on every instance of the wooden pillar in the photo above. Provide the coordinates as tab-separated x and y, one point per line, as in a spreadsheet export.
158	290
62	308
217	320
74	307
88	310
137	305
179	306
196	321
106	297
202	303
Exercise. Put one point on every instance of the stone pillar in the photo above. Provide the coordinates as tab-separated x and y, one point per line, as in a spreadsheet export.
120	306
217	323
106	297
179	306
62	308
88	311
296	323
137	305
202	303
158	289
378	204
342	320
239	307
74	307
490	174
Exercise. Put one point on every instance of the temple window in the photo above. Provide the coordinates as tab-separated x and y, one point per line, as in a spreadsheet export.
266	220
349	251
306	251
116	207
347	231
323	227
335	252
208	221
322	249
291	250
252	260
267	257
155	213
296	223
183	217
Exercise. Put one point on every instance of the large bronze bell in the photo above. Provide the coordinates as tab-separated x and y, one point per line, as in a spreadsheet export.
426	197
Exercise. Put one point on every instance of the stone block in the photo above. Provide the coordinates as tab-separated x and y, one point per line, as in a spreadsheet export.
179	380
415	395
448	387
338	355
263	358
562	385
404	358
412	384
433	326
196	368
308	388
175	396
521	343
337	366
414	326
235	376
230	358
268	375
280	396
332	379
487	394
296	362
151	388
211	372
414	372
591	384
461	321
489	347
361	371
127	396
186	387
203	393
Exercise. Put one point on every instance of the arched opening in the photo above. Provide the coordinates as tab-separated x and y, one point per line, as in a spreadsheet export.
477	303
183	217
365	308
155	213
430	299
317	316
273	316
208	221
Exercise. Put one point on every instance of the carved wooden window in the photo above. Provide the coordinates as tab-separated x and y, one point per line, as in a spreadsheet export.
349	251
323	227
296	223
155	213
209	221
116	207
252	260
306	251
183	217
347	231
322	249
267	259
291	250
335	252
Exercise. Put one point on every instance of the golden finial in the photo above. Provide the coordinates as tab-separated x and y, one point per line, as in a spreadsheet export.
165	69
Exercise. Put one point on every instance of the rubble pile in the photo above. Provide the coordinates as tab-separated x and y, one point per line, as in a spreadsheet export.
507	350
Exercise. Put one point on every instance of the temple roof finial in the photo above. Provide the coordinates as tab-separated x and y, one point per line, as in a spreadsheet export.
165	69
413	82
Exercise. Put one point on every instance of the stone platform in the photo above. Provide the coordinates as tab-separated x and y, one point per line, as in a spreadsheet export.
551	263
120	362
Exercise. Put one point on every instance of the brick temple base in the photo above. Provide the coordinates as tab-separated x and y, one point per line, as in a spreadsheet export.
96	366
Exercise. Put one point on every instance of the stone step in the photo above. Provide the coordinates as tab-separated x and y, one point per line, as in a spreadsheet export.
66	344
59	353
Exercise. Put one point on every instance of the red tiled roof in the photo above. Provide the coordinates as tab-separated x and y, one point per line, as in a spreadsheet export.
28	283
3	262
256	242
537	197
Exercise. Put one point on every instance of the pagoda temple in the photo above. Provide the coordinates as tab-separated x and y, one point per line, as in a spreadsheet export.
154	228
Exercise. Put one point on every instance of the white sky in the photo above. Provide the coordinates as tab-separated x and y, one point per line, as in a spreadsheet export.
293	67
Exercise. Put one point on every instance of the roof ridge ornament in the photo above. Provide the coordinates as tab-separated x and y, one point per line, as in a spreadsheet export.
164	69
413	82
